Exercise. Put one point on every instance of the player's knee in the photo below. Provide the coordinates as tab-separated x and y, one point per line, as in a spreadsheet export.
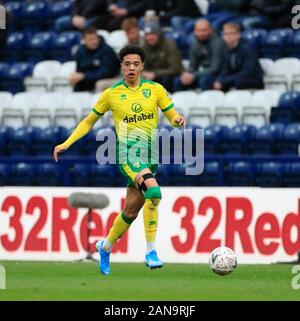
154	193
130	214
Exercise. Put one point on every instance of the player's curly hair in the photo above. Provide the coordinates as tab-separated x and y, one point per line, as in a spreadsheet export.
132	50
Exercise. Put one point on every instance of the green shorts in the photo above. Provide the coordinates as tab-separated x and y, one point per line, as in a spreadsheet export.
130	169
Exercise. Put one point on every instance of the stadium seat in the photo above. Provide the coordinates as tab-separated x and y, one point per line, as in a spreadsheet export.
39	46
288	105
178	176
240	174
15	77
65	118
20	143
214	137
4	68
42	77
39	118
34	16
50	102
275	42
226	116
163	175
289	144
4	174
102	175
266	139
5	100
48	174
210	99
6	135
292	48
212	175
117	40
256	116
64	44
78	175
285	74
14	118
60	8
265	99
267	65
269	174
44	140
61	82
200	116
21	174
291	177
25	101
185	100
16	44
255	37
238	140
77	101
104	33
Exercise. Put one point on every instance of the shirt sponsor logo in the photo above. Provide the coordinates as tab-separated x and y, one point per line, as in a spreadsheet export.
136	108
137	118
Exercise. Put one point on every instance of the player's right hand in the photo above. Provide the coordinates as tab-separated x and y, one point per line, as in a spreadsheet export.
59	149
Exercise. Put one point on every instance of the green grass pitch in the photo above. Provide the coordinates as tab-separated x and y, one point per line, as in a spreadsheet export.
82	281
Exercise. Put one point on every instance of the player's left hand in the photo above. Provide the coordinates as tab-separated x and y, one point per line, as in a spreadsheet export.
180	121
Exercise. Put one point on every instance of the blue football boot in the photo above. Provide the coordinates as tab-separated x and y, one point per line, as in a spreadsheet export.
104	264
152	260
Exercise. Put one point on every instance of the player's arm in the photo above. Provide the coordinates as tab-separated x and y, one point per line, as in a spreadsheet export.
167	107
80	131
174	118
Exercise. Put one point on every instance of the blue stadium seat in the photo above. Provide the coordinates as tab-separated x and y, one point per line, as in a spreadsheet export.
15	76
63	44
78	174
290	140
48	174
16	10
214	137
45	140
292	48
266	139
269	174
4	174
163	175
61	8
212	175
240	174
275	43
288	105
4	68
102	175
39	46
6	135
255	37
15	46
238	140
20	142
292	175
21	174
34	16
178	176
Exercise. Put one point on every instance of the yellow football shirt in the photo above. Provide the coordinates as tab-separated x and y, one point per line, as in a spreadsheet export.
134	108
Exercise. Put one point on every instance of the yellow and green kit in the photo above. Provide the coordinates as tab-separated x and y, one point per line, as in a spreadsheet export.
136	116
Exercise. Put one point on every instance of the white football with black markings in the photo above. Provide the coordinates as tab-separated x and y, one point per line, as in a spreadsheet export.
222	260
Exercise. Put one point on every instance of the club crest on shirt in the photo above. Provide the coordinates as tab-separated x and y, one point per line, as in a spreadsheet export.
147	93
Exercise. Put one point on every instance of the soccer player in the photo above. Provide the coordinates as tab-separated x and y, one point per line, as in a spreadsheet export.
134	103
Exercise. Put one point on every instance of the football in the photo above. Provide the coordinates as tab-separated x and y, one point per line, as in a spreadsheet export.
222	260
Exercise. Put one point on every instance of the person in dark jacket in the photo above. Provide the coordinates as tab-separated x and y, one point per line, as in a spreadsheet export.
241	68
206	56
95	60
269	14
86	13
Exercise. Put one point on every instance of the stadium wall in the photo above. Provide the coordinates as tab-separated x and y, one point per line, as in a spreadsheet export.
261	225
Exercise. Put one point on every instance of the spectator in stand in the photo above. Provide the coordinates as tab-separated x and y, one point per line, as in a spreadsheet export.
86	13
269	14
206	56
131	27
163	61
95	60
122	9
241	68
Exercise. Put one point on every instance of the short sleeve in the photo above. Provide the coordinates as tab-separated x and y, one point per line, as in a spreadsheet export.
165	101
103	104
